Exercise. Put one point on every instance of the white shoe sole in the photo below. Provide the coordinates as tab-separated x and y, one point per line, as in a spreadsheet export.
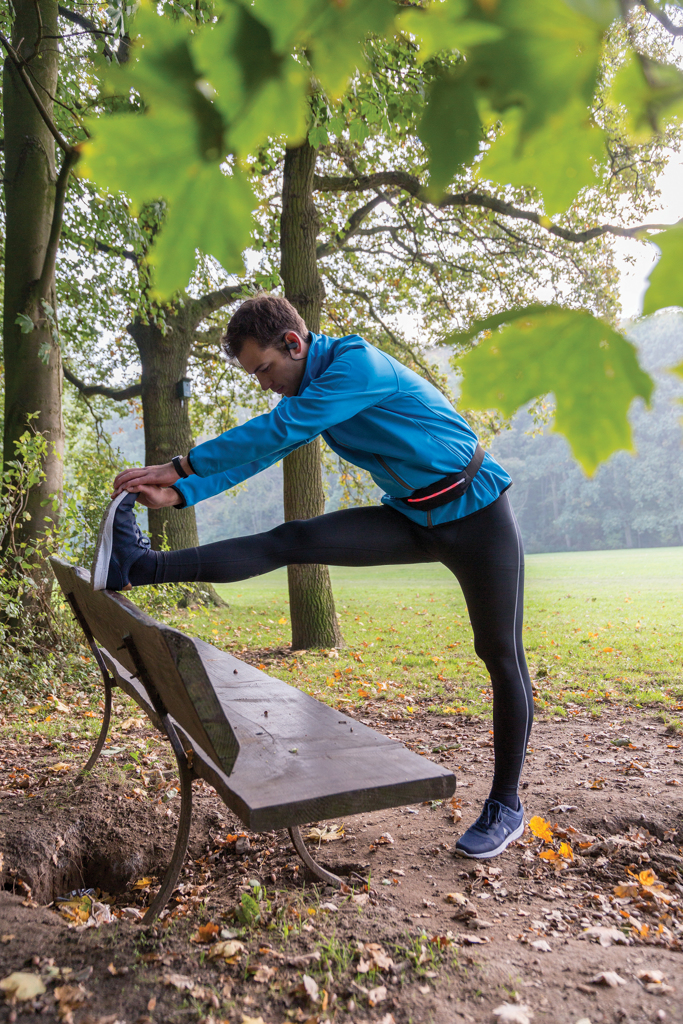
499	849
105	538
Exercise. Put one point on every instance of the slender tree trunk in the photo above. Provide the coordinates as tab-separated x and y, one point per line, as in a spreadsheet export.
311	602
33	369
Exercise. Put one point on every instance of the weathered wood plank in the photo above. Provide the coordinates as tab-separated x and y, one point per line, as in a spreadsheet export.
170	658
349	773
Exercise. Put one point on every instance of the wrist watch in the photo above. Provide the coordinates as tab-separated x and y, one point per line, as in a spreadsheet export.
178	466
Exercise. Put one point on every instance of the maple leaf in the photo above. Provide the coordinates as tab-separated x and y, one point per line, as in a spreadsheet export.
541	829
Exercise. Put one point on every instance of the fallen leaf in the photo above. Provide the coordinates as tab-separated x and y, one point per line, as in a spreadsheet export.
178	981
377	995
513	1013
226	950
206	933
61	766
605	936
651	977
542	830
457	898
609	978
328	834
21	986
311	988
647	877
142	883
541	945
377	958
6	938
263	974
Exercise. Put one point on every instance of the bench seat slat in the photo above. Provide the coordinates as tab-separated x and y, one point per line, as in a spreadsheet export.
334	771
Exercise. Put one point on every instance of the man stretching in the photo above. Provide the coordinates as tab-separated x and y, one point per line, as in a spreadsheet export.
444	502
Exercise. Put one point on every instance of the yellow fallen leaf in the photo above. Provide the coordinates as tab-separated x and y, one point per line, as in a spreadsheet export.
21	986
61	766
625	891
226	950
142	883
566	851
647	877
541	828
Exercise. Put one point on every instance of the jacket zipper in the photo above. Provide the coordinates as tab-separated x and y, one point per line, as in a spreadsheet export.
391	473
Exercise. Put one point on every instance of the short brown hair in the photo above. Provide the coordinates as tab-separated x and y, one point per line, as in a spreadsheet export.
265	318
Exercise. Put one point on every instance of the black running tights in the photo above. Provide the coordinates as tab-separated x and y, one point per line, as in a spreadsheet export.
484	551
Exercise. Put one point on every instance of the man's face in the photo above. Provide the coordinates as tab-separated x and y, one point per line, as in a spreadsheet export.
278	370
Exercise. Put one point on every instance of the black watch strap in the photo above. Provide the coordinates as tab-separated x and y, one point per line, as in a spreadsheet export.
178	466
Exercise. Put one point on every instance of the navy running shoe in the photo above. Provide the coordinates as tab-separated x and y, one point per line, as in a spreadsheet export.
120	543
494	829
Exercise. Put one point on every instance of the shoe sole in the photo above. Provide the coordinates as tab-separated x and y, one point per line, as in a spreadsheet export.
105	538
499	849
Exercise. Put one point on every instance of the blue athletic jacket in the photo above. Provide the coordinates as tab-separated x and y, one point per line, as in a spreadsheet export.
372	411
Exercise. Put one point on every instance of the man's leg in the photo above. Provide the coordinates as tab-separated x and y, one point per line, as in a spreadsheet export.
357	536
485	552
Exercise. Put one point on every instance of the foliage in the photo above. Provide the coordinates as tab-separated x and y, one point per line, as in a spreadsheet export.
38	644
634	499
532	105
592	370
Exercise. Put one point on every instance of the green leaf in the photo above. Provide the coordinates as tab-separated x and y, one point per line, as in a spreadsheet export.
331	31
559	159
25	323
450	128
548	58
442	27
666	278
212	213
259	92
648	103
591	369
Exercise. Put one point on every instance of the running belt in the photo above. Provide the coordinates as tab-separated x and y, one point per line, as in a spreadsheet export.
449	488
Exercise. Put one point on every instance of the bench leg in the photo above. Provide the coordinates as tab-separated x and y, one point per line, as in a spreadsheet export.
180	849
106	718
316	869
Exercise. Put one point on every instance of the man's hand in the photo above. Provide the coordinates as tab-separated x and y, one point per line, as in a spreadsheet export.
154	477
157	497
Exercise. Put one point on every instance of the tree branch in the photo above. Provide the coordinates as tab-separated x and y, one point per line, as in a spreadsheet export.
212	301
353	225
361	294
90	26
411	184
25	77
663	19
48	270
119	395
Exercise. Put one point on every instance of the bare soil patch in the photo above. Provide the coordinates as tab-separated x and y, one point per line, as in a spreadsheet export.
431	938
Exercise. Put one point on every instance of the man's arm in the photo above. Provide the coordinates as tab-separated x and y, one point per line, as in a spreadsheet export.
357	379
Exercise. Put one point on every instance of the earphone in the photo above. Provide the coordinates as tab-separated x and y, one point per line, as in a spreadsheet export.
291	345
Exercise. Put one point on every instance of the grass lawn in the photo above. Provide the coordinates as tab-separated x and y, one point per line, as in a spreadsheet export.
601	626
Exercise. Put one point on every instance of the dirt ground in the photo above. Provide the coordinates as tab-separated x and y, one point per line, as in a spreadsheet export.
580	922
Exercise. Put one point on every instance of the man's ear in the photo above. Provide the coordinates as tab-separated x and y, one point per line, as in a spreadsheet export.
295	346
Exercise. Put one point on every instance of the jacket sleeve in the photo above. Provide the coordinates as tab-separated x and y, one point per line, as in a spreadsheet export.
197	488
357	379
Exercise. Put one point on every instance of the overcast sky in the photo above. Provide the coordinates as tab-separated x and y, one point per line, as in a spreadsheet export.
633	276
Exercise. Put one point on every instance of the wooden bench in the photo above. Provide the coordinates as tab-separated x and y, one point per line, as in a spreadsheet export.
276	756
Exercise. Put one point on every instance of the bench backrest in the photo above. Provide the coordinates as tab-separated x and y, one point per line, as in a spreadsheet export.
170	660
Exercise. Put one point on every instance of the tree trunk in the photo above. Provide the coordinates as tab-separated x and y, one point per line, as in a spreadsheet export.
33	369
166	418
311	602
168	432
